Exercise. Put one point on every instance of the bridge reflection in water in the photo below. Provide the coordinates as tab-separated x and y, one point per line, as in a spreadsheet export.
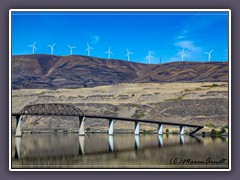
107	151
47	145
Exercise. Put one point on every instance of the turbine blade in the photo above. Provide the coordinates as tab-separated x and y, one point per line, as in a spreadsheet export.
211	51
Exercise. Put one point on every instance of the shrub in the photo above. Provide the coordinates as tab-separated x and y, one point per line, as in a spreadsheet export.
175	132
167	130
223	130
147	131
225	127
213	132
88	129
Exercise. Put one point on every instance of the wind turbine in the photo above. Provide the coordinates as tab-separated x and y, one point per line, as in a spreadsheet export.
88	49
209	55
51	46
33	46
128	53
71	49
149	57
109	52
182	53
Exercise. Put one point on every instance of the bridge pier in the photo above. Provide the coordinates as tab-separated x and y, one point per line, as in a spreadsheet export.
19	126
137	127
182	130
81	126
160	129
110	127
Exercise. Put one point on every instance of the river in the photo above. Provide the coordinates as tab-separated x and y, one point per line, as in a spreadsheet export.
52	150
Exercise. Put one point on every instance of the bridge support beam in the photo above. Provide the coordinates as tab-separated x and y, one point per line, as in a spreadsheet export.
19	126
81	126
137	127
182	130
160	129
110	127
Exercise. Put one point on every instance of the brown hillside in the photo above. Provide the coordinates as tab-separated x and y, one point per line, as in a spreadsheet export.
53	72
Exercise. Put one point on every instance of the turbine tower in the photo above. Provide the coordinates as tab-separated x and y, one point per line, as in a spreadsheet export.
88	49
51	46
109	52
128	53
33	47
209	55
182	53
149	57
71	49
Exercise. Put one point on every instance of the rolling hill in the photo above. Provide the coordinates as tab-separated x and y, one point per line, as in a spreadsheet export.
53	72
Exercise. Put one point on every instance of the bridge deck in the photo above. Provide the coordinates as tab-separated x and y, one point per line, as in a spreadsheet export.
121	119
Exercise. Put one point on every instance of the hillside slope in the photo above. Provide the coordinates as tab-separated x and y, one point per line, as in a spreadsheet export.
53	72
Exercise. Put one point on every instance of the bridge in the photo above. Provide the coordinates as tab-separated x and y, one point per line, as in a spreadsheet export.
57	109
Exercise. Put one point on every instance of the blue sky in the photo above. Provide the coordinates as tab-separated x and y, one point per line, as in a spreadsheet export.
162	33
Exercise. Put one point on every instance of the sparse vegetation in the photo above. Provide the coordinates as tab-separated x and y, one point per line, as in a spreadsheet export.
211	86
181	97
210	125
178	98
150	131
223	130
213	132
141	116
187	90
225	127
175	132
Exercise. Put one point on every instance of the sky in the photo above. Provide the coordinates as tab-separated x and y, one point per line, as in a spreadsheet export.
164	34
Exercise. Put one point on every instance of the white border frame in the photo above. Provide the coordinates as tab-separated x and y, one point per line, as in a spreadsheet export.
116	10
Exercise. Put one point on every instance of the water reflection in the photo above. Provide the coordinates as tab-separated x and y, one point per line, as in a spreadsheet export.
160	140
110	143
181	139
81	145
94	150
136	140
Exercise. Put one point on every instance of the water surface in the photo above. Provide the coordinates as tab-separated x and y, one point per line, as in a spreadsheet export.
118	151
